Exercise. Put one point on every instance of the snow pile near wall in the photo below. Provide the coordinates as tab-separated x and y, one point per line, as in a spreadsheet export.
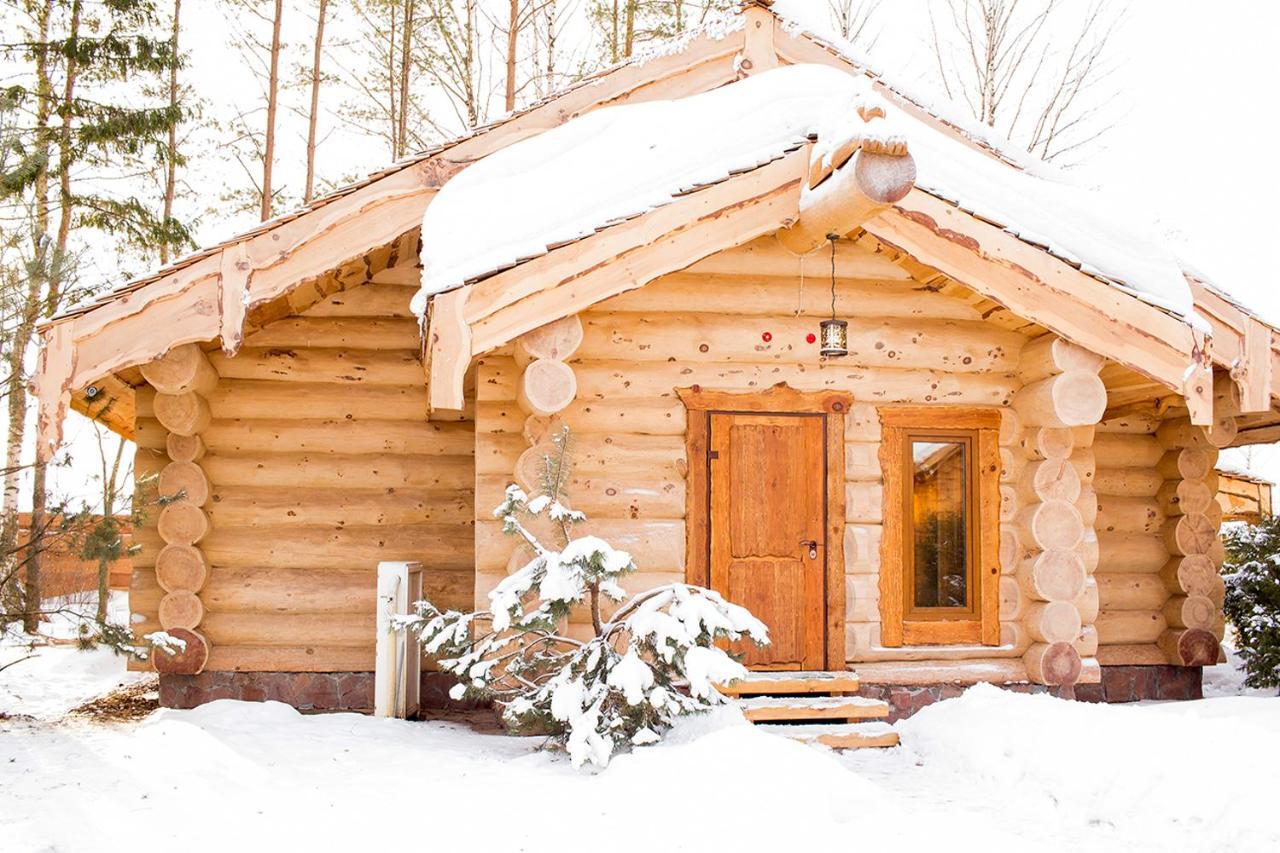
620	162
1179	775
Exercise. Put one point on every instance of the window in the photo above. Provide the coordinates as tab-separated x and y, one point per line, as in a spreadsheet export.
939	568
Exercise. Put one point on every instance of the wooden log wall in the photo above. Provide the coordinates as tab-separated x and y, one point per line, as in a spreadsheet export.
1160	593
320	462
706	325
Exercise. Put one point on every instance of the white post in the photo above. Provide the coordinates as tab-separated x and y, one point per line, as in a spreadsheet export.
397	659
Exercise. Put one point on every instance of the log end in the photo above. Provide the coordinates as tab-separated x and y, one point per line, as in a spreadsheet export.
191	660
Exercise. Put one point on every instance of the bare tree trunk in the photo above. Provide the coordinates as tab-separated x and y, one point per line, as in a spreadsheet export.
109	489
16	381
171	167
406	46
52	296
309	190
513	32
629	44
273	89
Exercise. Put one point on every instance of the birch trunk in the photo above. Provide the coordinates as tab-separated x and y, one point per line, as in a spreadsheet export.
309	188
171	155
273	91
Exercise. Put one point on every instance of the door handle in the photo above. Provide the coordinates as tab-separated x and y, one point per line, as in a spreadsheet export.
812	545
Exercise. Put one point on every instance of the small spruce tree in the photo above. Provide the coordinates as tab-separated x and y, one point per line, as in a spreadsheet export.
1252	574
656	657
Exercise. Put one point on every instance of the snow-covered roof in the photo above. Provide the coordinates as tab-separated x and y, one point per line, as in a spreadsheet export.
618	162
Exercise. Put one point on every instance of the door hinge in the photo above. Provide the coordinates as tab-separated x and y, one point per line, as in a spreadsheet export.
713	454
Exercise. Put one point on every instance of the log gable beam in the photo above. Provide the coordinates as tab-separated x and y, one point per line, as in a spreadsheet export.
1035	285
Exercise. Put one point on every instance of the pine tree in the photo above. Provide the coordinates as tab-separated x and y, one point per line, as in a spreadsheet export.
81	128
656	657
1252	574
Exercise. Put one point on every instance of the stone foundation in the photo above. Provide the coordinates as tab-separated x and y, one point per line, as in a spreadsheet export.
1136	683
306	691
1119	684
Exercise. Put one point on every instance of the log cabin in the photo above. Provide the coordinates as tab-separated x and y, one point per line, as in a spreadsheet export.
936	419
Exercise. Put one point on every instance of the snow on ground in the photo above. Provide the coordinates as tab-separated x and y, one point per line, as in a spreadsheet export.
989	771
56	678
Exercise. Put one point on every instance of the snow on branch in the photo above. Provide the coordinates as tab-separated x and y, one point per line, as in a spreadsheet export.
657	657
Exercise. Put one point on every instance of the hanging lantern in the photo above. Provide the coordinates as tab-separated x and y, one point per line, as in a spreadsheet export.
835	333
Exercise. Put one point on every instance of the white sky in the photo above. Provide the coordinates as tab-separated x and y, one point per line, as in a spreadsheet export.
1195	141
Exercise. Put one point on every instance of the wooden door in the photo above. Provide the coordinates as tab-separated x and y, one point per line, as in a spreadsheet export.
768	520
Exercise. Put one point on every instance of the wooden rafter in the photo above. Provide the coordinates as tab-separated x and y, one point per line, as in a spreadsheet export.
1039	287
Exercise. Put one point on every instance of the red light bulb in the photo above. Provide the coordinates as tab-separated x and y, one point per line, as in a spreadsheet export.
810	338
766	336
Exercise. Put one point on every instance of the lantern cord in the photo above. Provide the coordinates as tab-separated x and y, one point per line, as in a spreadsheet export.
833	276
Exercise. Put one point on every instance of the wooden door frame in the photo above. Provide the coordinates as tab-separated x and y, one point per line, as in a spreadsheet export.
700	403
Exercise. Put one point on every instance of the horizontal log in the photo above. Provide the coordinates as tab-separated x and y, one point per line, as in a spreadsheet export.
656	545
289	629
756	294
341	367
1123	450
1049	354
1012	599
389	301
1130	552
340	435
863	502
182	370
1065	400
332	470
1194	611
1086	645
1089	551
1048	525
309	591
1189	534
1055	575
1182	497
186	481
1052	622
863	646
1120	514
189	660
181	609
1041	442
862	548
185	414
958	346
618	379
1087	506
1194	574
182	523
271	506
557	340
184	448
291	658
1187	463
1189	647
261	399
1082	459
338	333
1049	479
1088	602
993	671
1131	654
1180	432
178	567
441	546
1131	591
635	416
546	387
601	496
1129	626
1053	663
1132	482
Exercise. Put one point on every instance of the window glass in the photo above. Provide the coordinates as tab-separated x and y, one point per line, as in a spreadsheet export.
939	503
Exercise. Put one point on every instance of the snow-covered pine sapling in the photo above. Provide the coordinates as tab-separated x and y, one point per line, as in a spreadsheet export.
658	655
1252	575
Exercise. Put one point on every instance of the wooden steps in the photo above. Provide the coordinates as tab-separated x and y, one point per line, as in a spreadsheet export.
840	735
813	707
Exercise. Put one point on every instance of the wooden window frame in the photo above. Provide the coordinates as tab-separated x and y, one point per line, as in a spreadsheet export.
901	623
700	403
